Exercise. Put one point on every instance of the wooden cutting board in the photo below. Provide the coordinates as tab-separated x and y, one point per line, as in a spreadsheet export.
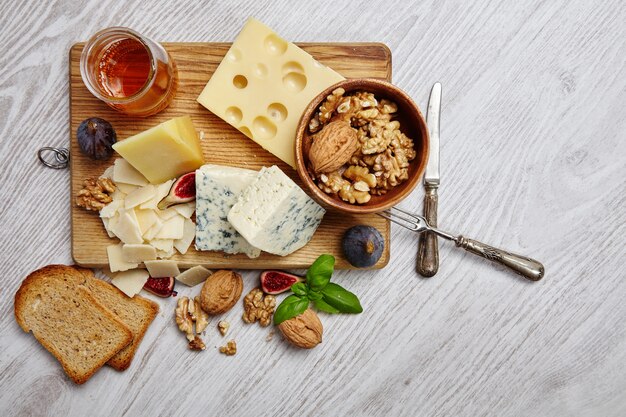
222	144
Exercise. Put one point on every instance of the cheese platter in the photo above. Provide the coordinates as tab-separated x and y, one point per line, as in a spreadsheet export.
222	145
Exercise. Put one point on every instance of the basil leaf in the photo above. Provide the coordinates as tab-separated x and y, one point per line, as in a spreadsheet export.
314	295
299	288
341	299
290	307
318	275
322	305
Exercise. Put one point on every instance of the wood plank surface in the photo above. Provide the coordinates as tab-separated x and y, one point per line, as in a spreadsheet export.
533	159
222	144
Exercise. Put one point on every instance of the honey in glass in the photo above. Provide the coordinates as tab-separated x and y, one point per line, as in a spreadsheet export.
129	72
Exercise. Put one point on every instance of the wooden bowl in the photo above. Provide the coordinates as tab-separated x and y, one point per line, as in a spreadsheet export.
412	124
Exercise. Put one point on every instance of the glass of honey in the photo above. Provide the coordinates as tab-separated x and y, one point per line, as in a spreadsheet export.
129	72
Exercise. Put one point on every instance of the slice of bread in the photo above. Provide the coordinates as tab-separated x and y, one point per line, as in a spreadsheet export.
137	313
68	321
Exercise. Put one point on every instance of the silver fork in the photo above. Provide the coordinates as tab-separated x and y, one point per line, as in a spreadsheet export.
526	267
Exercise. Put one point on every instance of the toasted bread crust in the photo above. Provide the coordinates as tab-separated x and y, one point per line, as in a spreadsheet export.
122	360
52	273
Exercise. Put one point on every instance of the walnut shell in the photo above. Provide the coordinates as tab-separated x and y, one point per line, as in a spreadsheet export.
221	291
303	331
333	146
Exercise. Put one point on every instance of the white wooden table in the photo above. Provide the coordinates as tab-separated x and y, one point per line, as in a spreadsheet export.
533	160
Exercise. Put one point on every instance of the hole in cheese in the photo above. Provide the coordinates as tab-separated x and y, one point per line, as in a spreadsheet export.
274	45
292	66
277	112
233	115
240	81
294	82
263	128
260	70
246	131
234	54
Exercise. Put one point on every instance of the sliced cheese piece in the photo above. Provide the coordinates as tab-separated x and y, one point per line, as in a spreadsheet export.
130	282
274	214
116	259
117	194
152	232
172	228
146	219
140	195
163	245
126	188
109	224
262	87
162	268
111	209
138	252
108	173
126	174
165	254
194	276
162	191
127	228
189	232
167	214
164	151
217	188
185	210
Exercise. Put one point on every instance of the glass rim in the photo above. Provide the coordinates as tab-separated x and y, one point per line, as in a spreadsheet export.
87	77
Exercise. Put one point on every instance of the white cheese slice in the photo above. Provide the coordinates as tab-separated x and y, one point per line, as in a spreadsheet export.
217	188
274	214
111	209
125	173
146	219
117	194
189	232
185	210
161	191
109	224
130	282
116	259
127	228
108	173
140	195
168	213
126	188
163	245
194	276
172	228
138	253
162	268
154	229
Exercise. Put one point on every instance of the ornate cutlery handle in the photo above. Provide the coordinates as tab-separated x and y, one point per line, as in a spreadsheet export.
428	248
526	267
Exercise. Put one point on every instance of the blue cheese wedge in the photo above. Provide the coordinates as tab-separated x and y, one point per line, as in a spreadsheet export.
217	188
274	214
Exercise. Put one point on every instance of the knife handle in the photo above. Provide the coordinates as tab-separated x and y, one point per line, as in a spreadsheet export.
526	267
428	248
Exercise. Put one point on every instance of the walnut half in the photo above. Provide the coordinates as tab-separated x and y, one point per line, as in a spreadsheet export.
258	308
95	194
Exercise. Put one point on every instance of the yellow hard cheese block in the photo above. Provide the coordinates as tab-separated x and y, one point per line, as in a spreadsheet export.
165	151
262	86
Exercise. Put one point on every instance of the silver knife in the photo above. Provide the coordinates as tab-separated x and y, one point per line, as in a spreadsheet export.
428	249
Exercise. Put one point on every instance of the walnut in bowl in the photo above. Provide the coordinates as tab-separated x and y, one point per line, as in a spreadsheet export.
361	146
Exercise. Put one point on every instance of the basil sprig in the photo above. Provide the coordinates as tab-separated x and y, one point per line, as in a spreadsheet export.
326	296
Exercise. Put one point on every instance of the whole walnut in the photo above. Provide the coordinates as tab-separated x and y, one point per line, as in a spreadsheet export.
303	331
333	146
221	291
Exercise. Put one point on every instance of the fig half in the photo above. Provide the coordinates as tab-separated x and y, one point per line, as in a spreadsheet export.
276	282
182	191
163	287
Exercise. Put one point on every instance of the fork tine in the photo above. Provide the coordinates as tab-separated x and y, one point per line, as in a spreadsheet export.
406	220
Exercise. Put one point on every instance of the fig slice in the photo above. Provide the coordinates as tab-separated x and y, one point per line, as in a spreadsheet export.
163	287
182	191
276	282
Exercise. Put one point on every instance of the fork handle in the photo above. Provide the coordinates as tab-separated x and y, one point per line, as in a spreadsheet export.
526	267
428	248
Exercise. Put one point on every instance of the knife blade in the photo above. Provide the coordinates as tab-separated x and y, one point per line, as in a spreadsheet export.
428	249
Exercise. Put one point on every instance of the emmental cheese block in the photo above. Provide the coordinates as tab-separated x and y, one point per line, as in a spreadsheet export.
164	151
262	86
274	214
